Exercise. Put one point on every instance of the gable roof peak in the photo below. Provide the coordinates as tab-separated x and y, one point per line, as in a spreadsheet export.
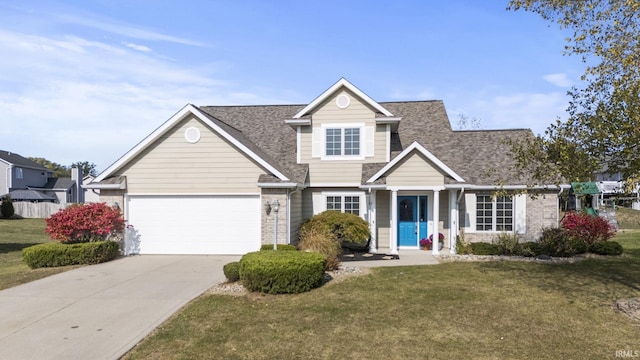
333	89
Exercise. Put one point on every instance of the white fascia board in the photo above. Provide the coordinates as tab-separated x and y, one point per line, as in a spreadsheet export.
388	120
337	185
506	187
423	151
287	185
167	125
298	122
137	149
415	188
120	186
333	89
192	194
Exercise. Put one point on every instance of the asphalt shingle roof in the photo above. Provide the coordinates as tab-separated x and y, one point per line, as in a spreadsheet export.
59	183
30	195
480	157
18	160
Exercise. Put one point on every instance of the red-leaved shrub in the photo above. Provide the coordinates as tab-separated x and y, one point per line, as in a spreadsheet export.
85	223
587	228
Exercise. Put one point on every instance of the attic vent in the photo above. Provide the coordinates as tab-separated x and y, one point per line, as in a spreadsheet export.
342	101
192	135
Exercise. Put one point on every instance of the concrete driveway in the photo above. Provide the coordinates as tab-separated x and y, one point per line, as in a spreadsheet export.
101	311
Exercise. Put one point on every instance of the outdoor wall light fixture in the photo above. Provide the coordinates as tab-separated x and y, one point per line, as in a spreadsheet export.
275	206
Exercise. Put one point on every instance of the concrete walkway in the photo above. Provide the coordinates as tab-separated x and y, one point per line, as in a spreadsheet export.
101	311
407	258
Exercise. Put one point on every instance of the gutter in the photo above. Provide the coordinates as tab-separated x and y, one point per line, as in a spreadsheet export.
120	186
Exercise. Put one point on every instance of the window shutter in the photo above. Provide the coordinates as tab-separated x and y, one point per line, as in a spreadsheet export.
470	212
319	203
520	204
317	137
369	134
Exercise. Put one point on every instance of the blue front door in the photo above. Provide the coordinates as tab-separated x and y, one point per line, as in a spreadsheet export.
412	219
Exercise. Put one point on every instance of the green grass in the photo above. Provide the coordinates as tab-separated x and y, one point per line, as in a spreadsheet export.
16	235
628	218
460	310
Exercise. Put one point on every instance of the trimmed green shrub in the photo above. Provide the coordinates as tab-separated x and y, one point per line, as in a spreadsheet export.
6	208
557	242
345	227
606	248
483	248
232	271
579	246
507	244
57	254
282	272
285	247
530	249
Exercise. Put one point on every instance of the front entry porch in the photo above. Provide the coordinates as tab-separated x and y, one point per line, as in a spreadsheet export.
400	217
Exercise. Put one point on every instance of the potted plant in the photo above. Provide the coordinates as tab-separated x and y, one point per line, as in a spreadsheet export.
427	243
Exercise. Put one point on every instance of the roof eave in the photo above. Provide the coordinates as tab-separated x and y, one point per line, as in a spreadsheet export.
342	82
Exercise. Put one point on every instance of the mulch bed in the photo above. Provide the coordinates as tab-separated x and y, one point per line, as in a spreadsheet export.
365	256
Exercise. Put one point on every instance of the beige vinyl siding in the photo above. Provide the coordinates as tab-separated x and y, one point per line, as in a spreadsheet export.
295	215
329	113
172	165
306	141
383	199
380	145
333	172
415	170
307	204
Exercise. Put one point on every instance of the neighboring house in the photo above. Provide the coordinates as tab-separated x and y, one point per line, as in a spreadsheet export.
201	182
26	180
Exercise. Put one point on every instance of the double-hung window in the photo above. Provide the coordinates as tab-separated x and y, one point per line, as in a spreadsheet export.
494	213
342	142
347	204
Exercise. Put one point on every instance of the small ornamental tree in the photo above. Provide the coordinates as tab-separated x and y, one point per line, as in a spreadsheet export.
85	223
587	228
6	208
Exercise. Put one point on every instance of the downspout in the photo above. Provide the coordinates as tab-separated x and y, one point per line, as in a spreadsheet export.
9	178
460	196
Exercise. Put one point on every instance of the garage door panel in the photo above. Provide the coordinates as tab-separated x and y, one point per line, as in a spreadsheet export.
196	224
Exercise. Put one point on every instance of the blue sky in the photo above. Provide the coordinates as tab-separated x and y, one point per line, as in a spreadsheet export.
86	80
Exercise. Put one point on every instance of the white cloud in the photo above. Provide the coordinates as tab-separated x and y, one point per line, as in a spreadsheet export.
72	99
560	80
136	47
122	29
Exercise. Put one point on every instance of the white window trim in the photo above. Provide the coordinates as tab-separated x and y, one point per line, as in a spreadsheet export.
342	127
361	195
494	214
19	173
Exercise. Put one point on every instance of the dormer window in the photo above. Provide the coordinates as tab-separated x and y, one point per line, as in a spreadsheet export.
343	142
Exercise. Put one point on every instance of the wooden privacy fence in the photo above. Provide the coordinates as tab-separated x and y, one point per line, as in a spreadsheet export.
36	209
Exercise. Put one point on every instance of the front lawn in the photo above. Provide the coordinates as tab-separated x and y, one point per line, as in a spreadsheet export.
16	235
461	310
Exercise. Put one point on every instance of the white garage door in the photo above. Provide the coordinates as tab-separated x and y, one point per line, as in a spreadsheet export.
194	224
